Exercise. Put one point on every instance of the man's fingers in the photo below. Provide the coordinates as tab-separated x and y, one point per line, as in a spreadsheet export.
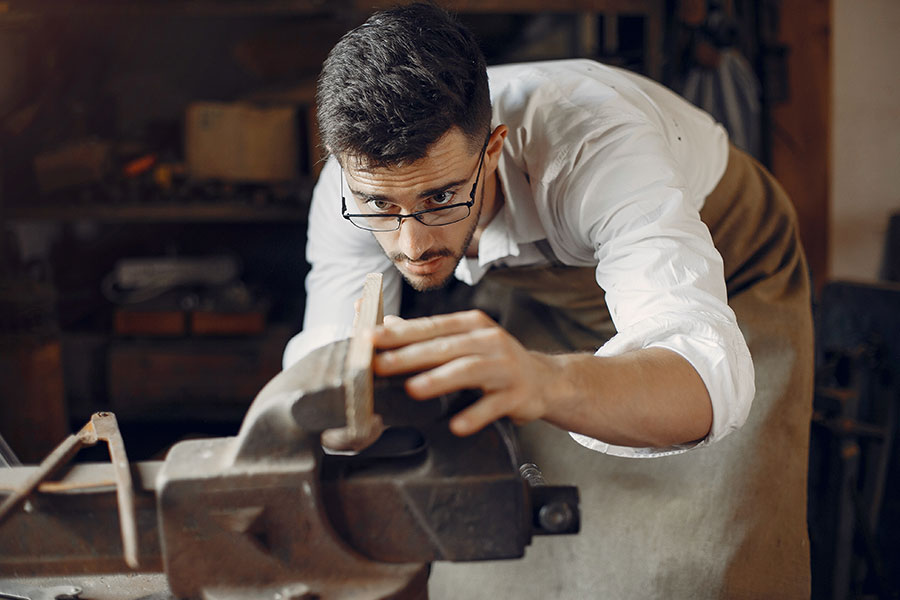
433	352
479	415
459	351
468	372
401	333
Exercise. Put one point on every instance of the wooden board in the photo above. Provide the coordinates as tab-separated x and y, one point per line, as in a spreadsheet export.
33	416
156	323
193	377
801	138
358	367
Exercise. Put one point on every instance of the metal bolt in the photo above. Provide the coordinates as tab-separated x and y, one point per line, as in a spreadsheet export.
555	517
532	474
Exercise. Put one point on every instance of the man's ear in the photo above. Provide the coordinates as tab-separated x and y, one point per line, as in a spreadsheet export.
494	147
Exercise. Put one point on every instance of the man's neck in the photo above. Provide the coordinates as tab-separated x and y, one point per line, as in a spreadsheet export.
493	202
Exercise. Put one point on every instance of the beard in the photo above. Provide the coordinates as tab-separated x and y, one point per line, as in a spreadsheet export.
429	283
426	283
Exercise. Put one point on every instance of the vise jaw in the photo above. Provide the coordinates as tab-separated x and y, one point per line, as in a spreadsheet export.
268	509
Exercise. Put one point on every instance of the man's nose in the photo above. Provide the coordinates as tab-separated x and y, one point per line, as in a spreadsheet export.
415	238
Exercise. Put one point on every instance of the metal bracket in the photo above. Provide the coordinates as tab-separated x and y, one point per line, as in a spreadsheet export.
7	456
102	426
14	591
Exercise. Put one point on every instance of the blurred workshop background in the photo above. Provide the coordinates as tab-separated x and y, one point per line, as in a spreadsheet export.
157	159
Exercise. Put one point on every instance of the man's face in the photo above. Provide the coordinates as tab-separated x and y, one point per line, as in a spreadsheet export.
426	256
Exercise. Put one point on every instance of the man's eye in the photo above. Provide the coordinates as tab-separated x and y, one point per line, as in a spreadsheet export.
380	206
442	198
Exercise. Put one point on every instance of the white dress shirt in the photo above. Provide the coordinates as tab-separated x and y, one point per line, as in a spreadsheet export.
612	170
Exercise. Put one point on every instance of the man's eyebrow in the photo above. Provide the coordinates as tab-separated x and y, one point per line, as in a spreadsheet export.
424	194
440	190
368	197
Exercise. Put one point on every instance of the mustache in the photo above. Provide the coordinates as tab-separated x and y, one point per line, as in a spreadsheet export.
430	255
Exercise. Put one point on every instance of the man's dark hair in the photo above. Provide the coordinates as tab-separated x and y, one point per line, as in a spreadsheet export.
394	85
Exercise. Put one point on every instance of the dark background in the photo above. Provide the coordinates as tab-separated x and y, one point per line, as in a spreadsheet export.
125	73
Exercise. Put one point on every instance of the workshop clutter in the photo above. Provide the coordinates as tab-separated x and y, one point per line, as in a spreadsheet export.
33	414
178	286
266	137
241	142
77	163
188	333
93	174
257	151
183	295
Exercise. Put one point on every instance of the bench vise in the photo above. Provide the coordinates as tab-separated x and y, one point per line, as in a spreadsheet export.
269	514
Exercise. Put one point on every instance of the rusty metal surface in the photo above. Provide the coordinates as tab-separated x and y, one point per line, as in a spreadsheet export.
7	457
56	459
21	591
76	533
102	426
107	429
133	586
266	514
247	526
244	514
83	477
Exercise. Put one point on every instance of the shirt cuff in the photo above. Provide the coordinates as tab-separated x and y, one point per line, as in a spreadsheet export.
718	352
629	452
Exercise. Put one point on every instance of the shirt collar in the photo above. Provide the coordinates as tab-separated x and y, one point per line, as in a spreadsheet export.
515	223
522	219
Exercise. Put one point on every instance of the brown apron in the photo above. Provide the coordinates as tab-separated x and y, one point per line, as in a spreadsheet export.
723	521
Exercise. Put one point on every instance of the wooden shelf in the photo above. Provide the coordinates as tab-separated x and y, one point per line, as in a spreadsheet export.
525	6
653	11
168	8
157	213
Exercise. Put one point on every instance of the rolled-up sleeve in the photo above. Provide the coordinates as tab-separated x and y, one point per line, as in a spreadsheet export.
622	198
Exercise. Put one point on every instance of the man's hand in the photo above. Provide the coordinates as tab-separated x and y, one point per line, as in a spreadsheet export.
467	350
645	398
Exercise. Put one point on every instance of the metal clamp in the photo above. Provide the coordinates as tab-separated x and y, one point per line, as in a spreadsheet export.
14	591
102	426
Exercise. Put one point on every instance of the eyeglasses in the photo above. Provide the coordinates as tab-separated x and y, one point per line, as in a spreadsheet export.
432	217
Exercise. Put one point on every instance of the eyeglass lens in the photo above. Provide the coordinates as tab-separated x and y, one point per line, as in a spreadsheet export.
434	217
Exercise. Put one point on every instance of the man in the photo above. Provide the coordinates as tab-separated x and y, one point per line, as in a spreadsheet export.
551	187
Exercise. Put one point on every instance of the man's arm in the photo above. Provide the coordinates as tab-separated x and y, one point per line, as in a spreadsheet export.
626	198
648	398
678	370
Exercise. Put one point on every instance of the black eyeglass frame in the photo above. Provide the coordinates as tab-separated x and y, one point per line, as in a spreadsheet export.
416	215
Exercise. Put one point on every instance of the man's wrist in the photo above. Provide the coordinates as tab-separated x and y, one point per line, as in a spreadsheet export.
559	383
